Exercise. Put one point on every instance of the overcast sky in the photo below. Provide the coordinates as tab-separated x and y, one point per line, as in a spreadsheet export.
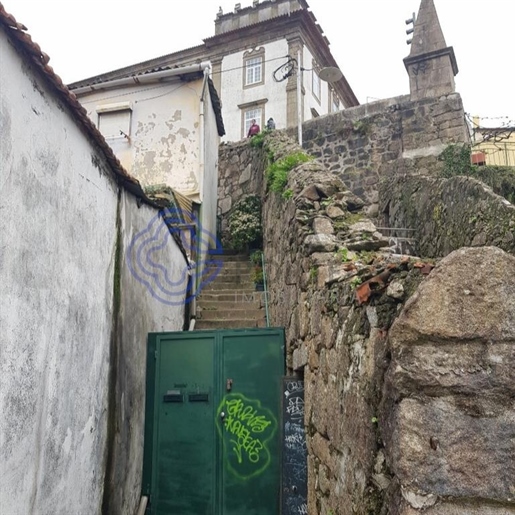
368	40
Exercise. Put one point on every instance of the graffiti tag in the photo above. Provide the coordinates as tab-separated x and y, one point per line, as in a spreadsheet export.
295	407
246	428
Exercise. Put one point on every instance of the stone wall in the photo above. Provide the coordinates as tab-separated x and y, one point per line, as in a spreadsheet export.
240	173
448	418
446	214
392	136
360	146
389	416
334	284
321	251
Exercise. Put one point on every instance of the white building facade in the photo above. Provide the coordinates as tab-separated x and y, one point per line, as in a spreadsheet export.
249	45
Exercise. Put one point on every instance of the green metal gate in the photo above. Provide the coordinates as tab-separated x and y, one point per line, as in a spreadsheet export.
212	435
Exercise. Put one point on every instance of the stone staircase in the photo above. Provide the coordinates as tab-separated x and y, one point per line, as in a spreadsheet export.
230	301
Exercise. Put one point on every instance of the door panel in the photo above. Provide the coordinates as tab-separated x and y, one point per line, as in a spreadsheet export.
250	453
212	422
184	459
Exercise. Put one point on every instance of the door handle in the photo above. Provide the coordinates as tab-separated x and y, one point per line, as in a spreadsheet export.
222	416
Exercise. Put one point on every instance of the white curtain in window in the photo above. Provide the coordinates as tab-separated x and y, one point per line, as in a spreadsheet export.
253	67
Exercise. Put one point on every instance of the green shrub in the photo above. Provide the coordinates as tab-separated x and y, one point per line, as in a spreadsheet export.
257	275
287	194
256	257
245	223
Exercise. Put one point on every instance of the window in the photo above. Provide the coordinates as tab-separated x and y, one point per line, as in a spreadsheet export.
253	67
335	102
249	115
114	120
316	85
253	70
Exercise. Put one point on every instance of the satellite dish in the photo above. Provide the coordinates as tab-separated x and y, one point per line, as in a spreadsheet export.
330	74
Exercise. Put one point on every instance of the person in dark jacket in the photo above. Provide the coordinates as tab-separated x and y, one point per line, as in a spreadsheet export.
253	129
270	125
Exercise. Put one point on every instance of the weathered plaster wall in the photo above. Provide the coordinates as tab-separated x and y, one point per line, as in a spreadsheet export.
58	229
310	100
164	132
143	308
447	214
69	338
209	176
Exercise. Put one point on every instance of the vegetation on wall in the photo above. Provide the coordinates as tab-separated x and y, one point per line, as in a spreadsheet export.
457	161
258	140
277	172
245	226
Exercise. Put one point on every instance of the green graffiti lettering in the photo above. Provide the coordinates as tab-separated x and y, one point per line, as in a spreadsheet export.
246	429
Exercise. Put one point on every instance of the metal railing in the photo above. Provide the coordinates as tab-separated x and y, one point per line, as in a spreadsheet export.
265	289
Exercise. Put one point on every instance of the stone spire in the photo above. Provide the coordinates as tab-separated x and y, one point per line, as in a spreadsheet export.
431	64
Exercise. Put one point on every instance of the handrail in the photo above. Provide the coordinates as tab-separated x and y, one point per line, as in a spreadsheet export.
265	289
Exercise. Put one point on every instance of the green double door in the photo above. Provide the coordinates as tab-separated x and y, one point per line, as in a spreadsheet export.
212	430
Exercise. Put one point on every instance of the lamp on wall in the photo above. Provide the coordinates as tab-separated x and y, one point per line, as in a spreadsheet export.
329	74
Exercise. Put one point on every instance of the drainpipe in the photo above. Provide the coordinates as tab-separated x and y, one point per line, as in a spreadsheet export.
200	262
144	78
299	97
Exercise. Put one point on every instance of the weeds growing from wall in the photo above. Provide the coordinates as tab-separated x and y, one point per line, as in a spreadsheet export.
258	140
277	172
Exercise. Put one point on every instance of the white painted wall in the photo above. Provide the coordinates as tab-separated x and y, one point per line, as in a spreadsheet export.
58	230
210	175
310	101
233	93
164	138
144	308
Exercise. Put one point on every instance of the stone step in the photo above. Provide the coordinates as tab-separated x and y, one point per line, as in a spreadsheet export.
231	295
213	315
230	324
234	266
231	277
229	285
230	257
241	303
